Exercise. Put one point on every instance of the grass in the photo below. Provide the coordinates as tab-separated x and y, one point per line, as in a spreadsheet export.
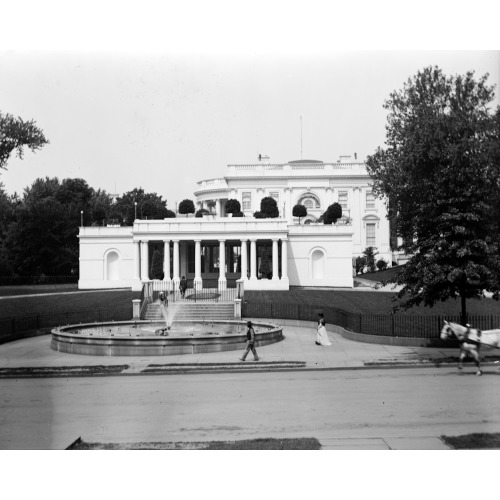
475	441
55	304
368	302
247	444
37	289
380	276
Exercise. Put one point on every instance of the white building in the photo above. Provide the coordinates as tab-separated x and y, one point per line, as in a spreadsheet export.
214	251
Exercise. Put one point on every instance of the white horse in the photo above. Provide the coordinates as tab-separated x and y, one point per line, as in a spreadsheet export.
470	339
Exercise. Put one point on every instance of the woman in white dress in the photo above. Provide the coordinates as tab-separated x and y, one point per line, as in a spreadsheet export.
322	335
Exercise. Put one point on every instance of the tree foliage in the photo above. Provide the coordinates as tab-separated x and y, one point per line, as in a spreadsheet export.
440	171
186	207
15	135
269	208
370	253
233	206
299	211
149	206
332	214
201	212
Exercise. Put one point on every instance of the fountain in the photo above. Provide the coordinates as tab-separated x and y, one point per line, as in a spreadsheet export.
143	337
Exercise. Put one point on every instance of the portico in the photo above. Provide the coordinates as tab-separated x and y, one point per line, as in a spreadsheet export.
213	252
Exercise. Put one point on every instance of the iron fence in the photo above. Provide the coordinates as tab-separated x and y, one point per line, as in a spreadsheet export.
393	325
11	327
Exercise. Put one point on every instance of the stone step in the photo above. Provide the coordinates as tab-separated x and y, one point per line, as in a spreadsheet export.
197	311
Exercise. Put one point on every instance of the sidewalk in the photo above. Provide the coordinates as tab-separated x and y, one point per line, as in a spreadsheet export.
297	351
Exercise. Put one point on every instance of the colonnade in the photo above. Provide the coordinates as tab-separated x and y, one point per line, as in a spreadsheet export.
141	261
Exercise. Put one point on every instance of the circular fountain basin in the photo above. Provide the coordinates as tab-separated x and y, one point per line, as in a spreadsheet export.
150	338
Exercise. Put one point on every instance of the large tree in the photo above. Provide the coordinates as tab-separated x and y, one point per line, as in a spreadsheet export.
269	208
149	206
442	178
15	134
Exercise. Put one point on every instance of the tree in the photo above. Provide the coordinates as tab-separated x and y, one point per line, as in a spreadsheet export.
15	134
440	172
269	208
7	217
149	206
332	214
299	211
186	207
370	254
233	206
100	207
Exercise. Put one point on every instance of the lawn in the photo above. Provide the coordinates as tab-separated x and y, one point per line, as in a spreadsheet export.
56	304
476	441
246	444
367	302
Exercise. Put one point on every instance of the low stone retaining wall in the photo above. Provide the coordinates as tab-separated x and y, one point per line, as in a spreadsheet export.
369	339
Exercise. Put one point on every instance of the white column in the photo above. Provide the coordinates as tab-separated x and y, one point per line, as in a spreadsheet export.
222	265
218	208
244	260
253	259
145	260
176	277
284	259
198	282
137	260
166	263
275	260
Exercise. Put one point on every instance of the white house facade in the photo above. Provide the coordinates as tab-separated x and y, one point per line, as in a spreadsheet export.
215	251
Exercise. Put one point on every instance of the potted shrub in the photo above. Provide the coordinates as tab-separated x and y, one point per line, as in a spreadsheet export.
299	211
186	207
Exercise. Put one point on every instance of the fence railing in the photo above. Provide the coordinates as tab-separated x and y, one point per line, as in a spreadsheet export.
18	325
397	325
37	280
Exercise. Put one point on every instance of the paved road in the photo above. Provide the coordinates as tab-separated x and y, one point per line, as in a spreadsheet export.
367	405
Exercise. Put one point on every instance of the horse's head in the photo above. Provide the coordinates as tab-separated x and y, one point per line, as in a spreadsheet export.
447	332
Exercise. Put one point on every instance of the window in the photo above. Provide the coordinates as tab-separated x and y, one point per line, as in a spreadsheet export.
370	200
246	202
275	195
370	235
309	204
343	199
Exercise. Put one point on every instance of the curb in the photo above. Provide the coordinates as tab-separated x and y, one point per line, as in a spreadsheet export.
254	367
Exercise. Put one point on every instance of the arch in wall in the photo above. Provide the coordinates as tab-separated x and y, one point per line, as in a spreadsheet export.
317	263
309	200
112	265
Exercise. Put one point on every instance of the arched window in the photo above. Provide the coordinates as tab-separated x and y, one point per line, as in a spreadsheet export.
112	266
310	201
317	264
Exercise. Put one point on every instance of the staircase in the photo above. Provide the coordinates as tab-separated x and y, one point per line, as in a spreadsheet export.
200	311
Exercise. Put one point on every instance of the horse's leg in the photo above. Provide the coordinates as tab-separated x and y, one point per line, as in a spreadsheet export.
477	360
460	358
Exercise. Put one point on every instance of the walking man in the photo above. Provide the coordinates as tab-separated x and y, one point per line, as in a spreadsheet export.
250	343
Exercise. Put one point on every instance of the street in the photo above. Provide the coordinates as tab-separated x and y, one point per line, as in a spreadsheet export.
50	413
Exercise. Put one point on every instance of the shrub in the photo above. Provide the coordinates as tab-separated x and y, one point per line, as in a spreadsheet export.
201	212
269	208
299	211
381	264
360	264
259	215
233	206
332	214
157	266
238	214
186	207
169	214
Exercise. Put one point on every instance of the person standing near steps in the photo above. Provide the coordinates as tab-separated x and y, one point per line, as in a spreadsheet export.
250	343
